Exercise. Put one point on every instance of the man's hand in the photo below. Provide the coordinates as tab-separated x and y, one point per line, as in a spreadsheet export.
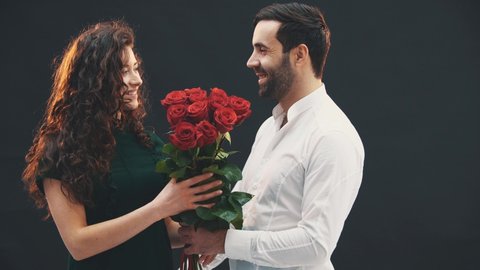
205	260
203	241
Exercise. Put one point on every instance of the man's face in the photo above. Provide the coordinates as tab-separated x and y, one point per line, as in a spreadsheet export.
271	65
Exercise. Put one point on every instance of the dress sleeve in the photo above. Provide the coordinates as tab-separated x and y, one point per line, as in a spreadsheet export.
43	172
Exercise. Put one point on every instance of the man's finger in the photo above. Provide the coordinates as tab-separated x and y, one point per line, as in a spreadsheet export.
208	259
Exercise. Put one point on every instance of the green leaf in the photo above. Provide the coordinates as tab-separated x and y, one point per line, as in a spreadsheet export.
171	164
235	204
183	158
241	197
228	138
204	158
231	173
169	149
238	223
221	155
208	150
212	168
180	173
205	213
162	167
226	214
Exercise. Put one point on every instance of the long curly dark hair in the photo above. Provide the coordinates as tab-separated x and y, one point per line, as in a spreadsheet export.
75	137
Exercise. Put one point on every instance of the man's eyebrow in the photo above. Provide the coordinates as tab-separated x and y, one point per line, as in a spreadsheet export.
259	44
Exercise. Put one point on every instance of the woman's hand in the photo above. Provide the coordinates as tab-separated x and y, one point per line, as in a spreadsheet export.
177	197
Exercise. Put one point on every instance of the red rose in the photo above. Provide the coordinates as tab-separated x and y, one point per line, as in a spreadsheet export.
184	137
196	94
218	98
206	133
225	118
216	102
241	107
218	92
198	111
176	113
174	97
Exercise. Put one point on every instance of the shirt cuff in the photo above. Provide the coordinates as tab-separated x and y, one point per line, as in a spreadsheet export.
238	244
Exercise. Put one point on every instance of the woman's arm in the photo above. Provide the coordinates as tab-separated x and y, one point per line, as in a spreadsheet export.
83	240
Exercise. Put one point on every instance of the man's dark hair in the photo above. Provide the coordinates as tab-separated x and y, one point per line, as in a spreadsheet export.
301	24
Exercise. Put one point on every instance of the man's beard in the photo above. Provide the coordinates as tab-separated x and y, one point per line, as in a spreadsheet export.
279	81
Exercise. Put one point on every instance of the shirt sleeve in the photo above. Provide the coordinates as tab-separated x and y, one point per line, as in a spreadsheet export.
333	172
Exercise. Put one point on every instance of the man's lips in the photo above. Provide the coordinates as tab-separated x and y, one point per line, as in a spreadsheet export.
262	77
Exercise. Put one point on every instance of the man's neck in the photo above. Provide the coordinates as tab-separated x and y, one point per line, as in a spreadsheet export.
299	90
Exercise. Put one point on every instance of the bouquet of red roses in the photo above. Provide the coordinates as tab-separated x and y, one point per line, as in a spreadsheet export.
200	126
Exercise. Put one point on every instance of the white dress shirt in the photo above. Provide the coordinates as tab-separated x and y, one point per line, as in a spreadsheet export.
305	177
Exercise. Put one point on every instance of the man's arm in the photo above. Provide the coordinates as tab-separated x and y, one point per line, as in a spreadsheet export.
332	179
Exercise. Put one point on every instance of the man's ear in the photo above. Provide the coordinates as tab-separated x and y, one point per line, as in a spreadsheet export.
300	54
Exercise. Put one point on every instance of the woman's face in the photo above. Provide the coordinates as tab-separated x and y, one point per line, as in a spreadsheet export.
131	78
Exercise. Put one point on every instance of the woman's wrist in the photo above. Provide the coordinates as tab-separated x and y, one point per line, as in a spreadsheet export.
156	210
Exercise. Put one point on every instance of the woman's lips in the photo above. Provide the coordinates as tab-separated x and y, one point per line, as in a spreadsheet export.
130	95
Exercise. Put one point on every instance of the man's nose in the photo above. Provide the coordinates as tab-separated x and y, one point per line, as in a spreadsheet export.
252	61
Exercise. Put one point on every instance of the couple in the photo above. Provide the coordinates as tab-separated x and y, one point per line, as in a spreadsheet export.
91	163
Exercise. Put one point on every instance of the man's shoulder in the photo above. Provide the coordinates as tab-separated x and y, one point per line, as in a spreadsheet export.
266	124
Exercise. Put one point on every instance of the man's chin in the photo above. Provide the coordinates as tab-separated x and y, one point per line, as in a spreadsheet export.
262	94
263	91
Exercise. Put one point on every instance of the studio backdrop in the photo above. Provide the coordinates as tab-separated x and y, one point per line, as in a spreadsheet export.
405	72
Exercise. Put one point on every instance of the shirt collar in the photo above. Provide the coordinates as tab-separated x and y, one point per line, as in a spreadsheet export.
299	106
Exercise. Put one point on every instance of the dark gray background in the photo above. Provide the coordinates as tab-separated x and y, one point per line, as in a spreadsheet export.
405	72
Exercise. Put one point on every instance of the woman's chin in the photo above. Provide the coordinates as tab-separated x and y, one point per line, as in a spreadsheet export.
132	105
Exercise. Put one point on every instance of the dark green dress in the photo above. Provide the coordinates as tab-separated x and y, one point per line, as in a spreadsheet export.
133	183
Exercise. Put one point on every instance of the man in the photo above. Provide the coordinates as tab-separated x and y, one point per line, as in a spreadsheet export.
306	163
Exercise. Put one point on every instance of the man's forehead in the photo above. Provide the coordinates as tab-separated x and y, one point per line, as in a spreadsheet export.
265	32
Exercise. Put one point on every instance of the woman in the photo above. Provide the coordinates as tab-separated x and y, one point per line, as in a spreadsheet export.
92	163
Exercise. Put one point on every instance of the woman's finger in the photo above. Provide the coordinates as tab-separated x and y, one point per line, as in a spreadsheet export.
203	197
197	179
209	205
206	187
